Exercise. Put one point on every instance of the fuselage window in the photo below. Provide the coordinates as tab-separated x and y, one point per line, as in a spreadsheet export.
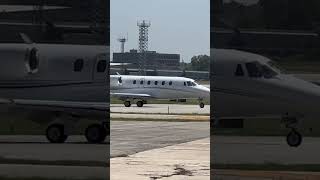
134	82
102	66
141	82
170	83
254	69
156	83
239	71
163	83
78	65
149	82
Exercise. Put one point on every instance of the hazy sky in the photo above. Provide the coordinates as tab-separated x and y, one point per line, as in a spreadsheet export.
177	26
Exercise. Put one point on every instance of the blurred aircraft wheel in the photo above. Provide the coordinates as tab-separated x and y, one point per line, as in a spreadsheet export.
96	133
139	103
55	133
294	138
127	103
201	105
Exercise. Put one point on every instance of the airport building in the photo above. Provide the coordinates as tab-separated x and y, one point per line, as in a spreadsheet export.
153	59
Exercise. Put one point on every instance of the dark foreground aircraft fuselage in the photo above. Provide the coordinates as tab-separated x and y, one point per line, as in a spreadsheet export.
65	82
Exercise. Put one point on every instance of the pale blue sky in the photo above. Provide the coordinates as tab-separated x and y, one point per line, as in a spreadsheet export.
177	26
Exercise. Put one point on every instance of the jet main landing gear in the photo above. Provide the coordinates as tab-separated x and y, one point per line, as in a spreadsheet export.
127	103
140	103
56	134
96	133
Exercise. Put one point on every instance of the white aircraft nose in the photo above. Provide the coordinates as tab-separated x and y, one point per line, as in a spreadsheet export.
205	91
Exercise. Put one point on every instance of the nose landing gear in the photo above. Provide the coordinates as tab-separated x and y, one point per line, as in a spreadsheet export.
201	104
294	138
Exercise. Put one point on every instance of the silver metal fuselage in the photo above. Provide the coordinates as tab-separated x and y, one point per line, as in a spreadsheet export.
55	78
146	85
244	96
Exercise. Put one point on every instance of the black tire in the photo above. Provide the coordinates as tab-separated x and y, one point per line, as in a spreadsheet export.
96	133
55	133
127	103
294	138
140	103
201	105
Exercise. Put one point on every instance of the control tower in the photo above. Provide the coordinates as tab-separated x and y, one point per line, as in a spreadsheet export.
122	40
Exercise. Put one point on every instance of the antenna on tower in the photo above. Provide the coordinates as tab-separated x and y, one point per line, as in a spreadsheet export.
143	43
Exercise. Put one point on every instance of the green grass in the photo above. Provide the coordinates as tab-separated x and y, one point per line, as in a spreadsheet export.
269	167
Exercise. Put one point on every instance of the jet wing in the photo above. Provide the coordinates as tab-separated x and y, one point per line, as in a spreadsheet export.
80	108
130	95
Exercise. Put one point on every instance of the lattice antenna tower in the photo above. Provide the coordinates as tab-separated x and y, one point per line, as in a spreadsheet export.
143	43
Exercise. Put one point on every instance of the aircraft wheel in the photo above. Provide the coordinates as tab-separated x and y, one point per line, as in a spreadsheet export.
55	133
127	103
201	105
294	138
139	103
96	133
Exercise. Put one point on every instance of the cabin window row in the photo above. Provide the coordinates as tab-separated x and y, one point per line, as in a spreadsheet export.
155	82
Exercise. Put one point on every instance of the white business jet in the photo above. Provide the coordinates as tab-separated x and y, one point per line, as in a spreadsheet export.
57	85
141	88
247	85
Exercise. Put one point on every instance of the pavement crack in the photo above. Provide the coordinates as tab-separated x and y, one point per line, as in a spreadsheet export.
178	171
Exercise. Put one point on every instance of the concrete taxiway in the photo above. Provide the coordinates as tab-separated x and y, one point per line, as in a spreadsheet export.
24	153
130	137
161	109
261	150
189	160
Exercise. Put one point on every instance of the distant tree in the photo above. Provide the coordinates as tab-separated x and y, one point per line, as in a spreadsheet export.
200	63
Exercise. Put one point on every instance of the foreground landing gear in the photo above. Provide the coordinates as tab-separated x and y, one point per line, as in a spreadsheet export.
127	103
140	103
294	138
55	133
201	105
96	133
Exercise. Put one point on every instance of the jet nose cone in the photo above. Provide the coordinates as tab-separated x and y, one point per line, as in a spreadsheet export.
205	91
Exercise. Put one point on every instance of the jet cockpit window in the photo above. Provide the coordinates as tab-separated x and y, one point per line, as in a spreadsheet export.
102	66
184	83
268	72
189	83
254	69
239	71
193	84
78	65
